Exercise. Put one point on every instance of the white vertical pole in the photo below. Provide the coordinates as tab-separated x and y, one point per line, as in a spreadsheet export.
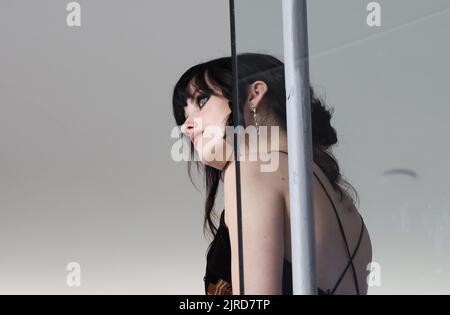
298	112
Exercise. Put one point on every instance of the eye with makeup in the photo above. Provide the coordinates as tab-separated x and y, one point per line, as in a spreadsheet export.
202	97
201	100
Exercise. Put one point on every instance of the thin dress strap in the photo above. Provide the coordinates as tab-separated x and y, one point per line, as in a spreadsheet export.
351	260
351	256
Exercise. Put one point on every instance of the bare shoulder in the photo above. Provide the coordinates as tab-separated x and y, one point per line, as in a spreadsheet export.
250	170
258	188
262	222
257	171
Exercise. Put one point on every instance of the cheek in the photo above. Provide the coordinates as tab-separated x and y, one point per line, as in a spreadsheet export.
216	114
211	151
214	119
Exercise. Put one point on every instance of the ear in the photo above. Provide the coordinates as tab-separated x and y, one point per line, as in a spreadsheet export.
256	92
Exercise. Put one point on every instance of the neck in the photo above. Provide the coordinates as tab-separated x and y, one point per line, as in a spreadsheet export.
269	140
266	142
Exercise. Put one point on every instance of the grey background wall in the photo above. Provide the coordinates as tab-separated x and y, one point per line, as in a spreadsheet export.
85	119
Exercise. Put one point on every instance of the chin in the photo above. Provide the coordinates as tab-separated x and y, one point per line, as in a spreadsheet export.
209	158
216	164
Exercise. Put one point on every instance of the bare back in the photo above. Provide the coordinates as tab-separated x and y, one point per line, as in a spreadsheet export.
331	254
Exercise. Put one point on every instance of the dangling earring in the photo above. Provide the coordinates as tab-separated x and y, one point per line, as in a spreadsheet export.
253	109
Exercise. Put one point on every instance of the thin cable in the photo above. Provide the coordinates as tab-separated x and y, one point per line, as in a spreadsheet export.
236	122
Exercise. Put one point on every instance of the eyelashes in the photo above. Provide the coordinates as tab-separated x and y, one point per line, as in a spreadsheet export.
199	100
202	97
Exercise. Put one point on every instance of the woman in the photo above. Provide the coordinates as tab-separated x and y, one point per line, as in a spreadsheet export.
201	101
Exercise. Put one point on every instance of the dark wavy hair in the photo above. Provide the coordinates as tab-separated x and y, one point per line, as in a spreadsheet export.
253	67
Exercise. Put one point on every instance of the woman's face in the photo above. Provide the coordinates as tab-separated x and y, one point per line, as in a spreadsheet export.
205	123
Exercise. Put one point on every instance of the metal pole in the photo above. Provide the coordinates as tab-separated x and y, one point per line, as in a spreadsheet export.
298	112
237	118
